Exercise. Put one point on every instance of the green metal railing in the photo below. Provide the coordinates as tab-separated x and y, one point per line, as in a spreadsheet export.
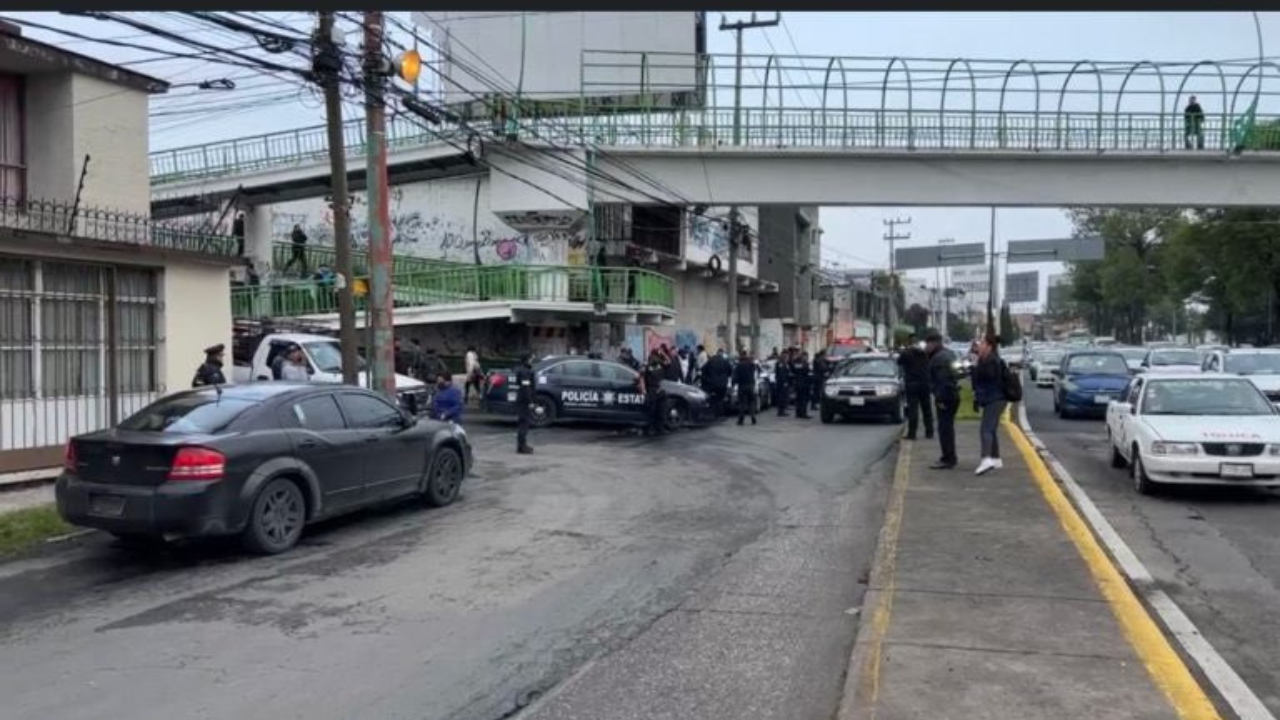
628	287
278	149
318	255
680	100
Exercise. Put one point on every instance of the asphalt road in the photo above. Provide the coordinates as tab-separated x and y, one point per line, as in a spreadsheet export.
1215	551
714	573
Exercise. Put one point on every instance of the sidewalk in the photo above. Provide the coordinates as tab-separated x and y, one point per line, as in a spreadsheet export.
982	606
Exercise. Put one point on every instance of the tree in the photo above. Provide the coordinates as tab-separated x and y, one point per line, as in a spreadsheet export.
917	317
1008	330
959	328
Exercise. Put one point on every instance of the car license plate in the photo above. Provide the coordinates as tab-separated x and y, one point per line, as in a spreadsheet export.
511	397
1101	399
857	401
106	505
1236	470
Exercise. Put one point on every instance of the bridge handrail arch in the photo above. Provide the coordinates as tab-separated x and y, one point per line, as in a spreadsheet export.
844	115
1177	98
1004	88
884	97
1062	94
1120	97
973	103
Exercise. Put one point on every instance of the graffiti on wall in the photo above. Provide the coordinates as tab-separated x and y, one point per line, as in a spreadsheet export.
439	235
708	235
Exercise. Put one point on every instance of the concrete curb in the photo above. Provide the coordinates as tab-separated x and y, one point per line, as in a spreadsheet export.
861	686
1229	686
28	479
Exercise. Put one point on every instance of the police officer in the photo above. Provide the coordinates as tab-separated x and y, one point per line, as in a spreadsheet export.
715	380
782	382
744	376
210	371
821	371
946	396
801	375
524	403
652	378
915	373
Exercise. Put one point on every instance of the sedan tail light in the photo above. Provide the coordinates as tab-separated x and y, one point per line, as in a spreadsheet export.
69	460
197	463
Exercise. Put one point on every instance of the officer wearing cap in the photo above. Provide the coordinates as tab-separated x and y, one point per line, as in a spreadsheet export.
524	403
210	371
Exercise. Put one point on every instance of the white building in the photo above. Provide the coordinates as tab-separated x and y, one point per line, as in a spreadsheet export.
101	310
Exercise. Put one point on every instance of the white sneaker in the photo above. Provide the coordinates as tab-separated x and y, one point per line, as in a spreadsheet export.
985	466
999	464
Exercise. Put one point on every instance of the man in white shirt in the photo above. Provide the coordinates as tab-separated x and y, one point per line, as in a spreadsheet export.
475	376
295	368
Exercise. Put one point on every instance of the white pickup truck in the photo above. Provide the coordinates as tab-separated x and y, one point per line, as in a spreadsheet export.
324	361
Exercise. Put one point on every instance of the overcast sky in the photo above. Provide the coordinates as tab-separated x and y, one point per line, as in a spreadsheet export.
853	235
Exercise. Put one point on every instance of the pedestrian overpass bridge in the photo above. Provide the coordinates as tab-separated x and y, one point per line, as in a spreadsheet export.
826	131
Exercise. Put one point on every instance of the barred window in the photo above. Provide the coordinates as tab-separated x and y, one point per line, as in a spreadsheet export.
54	320
16	328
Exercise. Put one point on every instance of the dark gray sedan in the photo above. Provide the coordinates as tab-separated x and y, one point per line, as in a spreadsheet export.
260	461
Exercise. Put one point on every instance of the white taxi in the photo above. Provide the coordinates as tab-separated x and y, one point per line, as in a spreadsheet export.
1209	429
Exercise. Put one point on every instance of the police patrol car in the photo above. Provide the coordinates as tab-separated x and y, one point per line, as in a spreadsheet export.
571	386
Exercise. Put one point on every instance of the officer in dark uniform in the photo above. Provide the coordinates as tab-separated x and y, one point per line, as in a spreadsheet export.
914	362
821	371
744	376
653	375
782	382
946	395
210	371
802	376
524	403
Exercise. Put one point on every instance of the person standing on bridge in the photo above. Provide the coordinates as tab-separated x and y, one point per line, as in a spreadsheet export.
298	250
237	231
1193	124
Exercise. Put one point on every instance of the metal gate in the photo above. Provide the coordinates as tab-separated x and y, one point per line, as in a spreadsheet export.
77	352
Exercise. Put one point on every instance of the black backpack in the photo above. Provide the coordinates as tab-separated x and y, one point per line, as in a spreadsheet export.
1011	382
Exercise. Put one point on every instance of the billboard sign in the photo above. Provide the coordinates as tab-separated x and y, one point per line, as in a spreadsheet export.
934	256
1065	250
561	61
1022	287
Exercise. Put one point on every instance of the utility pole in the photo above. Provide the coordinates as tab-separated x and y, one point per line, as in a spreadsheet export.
731	309
893	236
327	64
382	349
946	295
991	281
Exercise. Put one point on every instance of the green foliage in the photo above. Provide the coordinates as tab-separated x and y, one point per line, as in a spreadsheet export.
959	328
1008	330
1224	262
917	317
20	529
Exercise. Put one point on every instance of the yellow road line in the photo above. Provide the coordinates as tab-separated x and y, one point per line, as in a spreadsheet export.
885	577
1168	671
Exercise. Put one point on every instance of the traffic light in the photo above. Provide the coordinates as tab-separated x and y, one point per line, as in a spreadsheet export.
408	66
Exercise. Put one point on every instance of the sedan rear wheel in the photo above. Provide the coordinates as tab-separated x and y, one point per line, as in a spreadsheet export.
276	519
444	477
